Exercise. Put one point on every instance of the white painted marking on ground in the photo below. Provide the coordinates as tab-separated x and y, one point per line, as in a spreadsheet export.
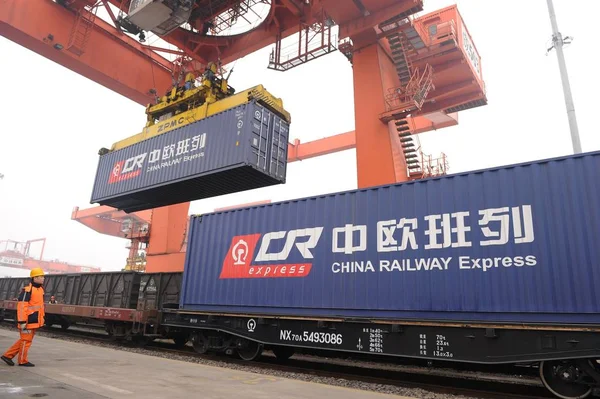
97	384
11	388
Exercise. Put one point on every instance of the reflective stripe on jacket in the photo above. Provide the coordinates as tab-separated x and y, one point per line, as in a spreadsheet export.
30	308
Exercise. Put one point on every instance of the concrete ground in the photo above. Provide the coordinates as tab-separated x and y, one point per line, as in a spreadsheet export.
66	370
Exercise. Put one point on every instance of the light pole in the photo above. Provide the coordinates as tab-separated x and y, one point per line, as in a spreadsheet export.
557	43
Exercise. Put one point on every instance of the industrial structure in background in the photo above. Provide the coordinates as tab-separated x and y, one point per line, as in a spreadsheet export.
558	41
19	255
411	75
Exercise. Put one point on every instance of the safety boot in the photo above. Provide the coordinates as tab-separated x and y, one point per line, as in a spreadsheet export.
28	364
7	361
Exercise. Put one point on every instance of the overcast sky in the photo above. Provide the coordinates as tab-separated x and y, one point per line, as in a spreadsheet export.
54	121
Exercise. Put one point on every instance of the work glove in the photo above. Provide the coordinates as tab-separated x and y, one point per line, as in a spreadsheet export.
22	326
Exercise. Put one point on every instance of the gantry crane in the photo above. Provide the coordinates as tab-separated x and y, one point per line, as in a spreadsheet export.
411	75
17	254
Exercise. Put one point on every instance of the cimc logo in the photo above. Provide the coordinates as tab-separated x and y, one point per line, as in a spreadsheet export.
127	169
238	260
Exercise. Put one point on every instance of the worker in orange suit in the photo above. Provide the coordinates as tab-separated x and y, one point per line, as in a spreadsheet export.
30	317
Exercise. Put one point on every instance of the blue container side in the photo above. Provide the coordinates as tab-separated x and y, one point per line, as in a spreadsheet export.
527	251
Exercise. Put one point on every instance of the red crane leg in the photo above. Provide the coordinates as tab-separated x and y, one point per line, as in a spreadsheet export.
378	150
167	233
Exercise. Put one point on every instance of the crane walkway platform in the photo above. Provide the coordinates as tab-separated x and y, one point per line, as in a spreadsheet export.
68	370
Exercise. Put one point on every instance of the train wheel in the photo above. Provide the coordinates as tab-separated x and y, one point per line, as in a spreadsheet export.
283	352
200	343
560	377
249	350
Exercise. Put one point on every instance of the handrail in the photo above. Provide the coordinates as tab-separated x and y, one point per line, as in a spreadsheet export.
428	165
415	91
417	87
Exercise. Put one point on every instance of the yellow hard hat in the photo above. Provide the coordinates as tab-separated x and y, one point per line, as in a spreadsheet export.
36	272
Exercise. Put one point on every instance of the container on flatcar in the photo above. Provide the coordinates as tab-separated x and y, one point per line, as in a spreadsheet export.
513	244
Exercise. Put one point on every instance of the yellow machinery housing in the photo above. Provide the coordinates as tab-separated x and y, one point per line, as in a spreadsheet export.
188	104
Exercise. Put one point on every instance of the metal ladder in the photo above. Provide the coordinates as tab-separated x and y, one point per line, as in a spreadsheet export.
82	29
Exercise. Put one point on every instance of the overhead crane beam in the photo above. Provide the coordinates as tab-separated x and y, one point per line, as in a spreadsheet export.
115	60
298	151
293	6
365	24
284	19
328	145
109	213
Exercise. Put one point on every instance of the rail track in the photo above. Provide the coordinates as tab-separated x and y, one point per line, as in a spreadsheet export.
469	383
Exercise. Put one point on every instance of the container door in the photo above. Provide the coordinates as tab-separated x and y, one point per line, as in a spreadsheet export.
259	139
279	146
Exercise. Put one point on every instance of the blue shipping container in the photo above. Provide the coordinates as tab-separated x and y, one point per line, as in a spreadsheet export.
240	149
510	244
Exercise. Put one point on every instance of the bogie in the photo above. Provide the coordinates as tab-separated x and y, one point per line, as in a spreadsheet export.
570	379
249	350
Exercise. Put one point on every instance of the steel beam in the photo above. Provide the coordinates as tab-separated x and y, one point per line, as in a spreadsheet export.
112	58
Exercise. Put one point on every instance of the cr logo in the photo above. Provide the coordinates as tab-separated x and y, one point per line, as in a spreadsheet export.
251	325
240	252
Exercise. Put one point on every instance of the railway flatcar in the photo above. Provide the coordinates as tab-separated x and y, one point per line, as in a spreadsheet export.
496	266
126	304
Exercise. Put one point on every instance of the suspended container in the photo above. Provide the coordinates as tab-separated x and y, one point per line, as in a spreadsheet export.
242	148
